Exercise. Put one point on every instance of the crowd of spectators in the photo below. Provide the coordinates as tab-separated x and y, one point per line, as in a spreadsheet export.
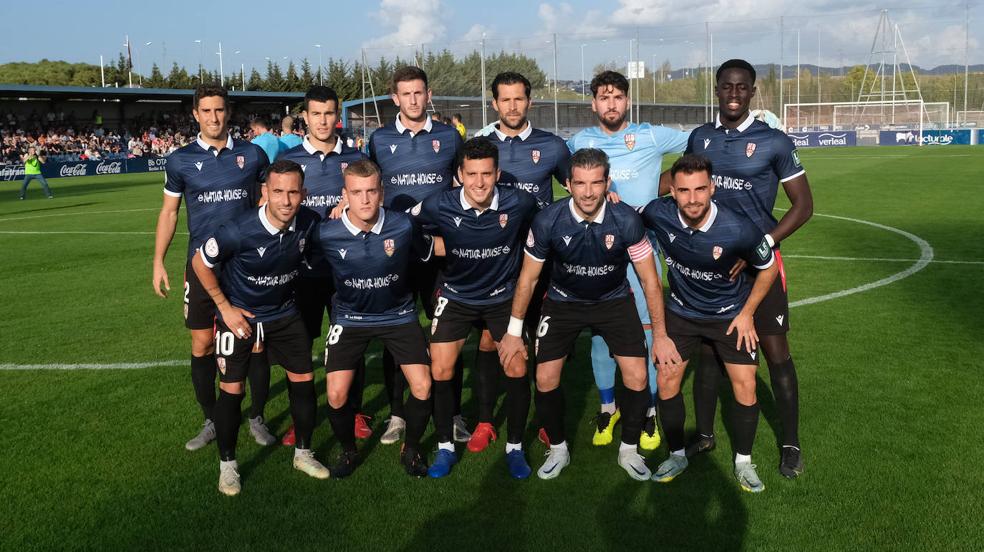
60	136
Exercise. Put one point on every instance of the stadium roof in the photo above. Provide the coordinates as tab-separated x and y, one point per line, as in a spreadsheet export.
134	94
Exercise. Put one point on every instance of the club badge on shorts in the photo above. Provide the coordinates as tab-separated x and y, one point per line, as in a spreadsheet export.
535	154
433	326
241	161
749	149
436	144
221	363
630	141
609	240
503	220
389	246
717	252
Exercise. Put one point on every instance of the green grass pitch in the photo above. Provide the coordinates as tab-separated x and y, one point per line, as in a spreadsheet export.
890	386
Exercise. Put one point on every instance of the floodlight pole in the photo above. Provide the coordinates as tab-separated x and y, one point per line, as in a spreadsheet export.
485	117
781	109
102	71
221	71
966	52
556	110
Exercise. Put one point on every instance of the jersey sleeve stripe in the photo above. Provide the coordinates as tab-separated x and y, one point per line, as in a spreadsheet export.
201	253
172	194
788	178
640	250
534	257
772	261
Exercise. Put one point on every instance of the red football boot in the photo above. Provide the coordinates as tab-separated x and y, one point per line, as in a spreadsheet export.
542	435
289	439
484	432
362	429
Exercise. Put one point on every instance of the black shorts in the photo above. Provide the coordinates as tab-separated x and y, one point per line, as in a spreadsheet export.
616	321
345	346
423	281
535	308
199	309
313	299
454	320
285	341
687	335
772	314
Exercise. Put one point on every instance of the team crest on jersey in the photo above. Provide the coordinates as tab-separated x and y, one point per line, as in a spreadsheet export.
344	166
707	142
749	149
389	246
530	240
221	363
535	154
261	251
436	144
717	252
211	247
609	240
343	252
630	141
241	161
199	165
503	220
393	148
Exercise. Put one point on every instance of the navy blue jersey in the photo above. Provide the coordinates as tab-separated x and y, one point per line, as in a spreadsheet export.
260	261
323	178
370	269
589	258
483	250
217	185
531	160
749	163
323	181
698	261
414	166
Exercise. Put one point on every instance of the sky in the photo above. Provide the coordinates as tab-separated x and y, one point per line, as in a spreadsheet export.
588	33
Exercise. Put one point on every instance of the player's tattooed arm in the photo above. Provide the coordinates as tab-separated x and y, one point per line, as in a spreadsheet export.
512	342
167	223
800	209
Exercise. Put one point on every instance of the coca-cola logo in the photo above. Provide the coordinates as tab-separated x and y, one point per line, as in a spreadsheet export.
72	170
114	167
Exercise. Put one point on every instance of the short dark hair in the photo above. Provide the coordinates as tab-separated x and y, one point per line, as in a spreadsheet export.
587	158
479	148
409	73
362	168
609	78
284	166
320	93
260	121
456	116
207	90
735	64
510	77
691	163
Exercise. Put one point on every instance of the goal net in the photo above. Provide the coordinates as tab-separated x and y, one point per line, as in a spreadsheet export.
900	114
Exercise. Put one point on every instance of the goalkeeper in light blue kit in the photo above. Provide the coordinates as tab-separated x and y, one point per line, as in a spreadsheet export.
635	151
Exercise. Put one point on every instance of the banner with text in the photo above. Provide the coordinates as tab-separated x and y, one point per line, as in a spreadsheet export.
928	138
823	139
87	168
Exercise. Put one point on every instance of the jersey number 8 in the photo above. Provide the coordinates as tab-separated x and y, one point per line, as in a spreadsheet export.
439	308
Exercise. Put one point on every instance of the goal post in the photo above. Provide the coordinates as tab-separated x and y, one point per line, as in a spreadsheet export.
868	115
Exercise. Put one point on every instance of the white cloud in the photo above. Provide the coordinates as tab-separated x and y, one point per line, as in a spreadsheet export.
477	32
417	22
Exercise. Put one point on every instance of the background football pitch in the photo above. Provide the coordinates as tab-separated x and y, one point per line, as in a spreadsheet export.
890	384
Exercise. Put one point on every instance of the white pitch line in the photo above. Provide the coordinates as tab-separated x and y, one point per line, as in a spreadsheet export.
117	366
877	259
925	257
82	232
79	213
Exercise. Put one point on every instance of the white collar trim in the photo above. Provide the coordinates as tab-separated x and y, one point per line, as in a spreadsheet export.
202	144
742	127
494	206
355	230
309	147
428	125
600	218
273	230
707	225
522	135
